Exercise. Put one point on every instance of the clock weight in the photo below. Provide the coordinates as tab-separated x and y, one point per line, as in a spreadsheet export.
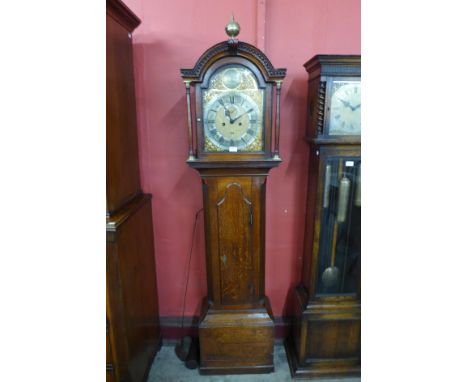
343	196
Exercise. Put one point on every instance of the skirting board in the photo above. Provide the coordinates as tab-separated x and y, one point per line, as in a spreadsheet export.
172	329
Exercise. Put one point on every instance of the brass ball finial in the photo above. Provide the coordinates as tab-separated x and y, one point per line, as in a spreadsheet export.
232	28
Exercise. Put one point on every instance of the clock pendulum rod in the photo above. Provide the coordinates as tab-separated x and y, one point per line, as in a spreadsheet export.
277	121
332	274
189	121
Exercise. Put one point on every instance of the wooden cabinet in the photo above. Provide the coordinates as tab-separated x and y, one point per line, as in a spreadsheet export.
132	320
132	303
325	339
122	168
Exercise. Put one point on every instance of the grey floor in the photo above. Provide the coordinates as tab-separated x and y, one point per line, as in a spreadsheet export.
167	368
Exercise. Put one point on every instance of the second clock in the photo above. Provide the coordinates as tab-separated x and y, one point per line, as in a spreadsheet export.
326	326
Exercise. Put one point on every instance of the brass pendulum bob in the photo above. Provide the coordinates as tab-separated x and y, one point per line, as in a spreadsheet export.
331	275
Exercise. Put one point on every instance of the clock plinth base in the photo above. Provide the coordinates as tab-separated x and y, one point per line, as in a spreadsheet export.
236	341
325	338
318	369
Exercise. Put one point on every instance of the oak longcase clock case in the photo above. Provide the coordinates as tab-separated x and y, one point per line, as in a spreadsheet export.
325	336
233	143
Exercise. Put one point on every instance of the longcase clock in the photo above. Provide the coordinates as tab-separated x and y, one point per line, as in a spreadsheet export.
233	143
325	337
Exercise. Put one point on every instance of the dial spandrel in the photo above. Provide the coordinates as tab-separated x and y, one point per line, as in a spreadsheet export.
233	111
345	108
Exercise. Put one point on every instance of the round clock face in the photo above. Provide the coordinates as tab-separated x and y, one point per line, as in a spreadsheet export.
345	108
231	120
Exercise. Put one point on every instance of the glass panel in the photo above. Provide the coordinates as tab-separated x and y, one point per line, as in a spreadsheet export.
340	234
233	111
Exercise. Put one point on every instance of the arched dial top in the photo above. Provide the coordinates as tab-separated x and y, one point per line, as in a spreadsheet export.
236	90
233	113
229	49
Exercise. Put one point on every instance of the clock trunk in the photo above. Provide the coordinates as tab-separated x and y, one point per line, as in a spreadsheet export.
236	329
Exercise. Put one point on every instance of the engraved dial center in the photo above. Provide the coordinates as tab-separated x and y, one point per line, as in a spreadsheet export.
232	120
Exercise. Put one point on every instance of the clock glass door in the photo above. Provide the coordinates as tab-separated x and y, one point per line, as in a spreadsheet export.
233	111
340	234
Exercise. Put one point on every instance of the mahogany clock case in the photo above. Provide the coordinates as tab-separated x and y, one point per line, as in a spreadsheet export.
236	326
326	325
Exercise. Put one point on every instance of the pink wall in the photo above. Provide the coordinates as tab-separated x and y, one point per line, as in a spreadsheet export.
172	35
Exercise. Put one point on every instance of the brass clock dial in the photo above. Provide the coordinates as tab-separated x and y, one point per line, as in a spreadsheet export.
231	121
345	108
233	111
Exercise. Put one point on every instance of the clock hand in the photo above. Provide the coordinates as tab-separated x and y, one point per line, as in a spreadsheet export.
356	107
227	114
345	103
235	119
